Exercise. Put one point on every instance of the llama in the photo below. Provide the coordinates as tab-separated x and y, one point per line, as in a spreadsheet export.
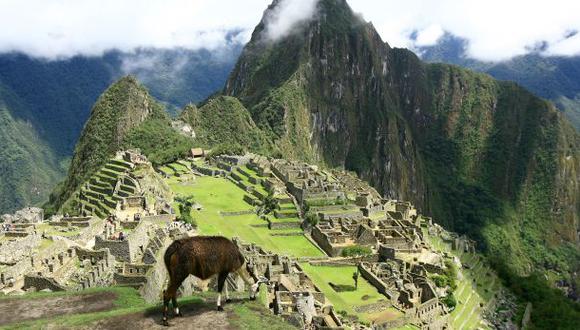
203	257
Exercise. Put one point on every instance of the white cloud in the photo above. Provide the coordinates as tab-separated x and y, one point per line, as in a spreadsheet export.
63	28
496	29
429	36
286	15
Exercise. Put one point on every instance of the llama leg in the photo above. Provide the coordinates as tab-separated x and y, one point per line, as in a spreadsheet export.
165	307
227	293
221	280
168	294
176	310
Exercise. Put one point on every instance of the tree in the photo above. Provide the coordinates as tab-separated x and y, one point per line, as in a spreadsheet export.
185	203
226	149
356	251
359	252
311	218
269	204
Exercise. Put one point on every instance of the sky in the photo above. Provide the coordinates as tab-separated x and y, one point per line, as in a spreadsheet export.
496	29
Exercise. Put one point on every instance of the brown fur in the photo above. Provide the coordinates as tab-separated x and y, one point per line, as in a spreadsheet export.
202	257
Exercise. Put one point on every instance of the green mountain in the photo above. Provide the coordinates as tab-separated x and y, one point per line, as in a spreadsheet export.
484	157
556	78
55	98
221	116
20	149
118	112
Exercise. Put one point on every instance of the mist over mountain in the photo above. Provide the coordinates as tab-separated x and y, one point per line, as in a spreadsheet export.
55	98
556	78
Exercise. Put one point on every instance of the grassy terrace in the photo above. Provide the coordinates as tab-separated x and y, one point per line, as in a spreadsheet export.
348	301
283	220
469	293
218	194
56	230
288	206
246	179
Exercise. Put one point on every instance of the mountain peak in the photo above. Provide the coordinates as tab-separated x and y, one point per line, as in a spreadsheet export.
123	106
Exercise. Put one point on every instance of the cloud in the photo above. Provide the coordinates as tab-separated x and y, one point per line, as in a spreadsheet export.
429	36
496	29
287	15
64	28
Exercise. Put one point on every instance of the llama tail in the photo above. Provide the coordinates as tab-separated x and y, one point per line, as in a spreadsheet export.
171	249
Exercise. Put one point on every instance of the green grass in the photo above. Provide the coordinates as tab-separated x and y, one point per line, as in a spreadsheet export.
247	182
127	301
346	301
180	167
252	316
218	194
247	315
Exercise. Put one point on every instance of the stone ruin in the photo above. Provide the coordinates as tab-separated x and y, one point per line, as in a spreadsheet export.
290	292
395	229
25	215
409	289
305	182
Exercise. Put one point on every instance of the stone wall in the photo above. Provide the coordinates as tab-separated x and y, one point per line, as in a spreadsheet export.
157	278
392	324
95	227
377	283
322	240
284	224
159	217
127	249
236	213
40	282
19	247
119	249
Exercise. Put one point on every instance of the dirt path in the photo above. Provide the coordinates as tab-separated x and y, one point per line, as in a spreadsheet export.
195	317
21	310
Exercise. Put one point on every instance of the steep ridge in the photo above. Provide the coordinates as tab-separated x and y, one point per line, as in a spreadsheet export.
483	157
122	107
20	148
224	120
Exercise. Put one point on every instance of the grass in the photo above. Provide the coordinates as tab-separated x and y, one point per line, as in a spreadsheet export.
55	230
127	301
252	316
247	315
218	194
246	181
348	300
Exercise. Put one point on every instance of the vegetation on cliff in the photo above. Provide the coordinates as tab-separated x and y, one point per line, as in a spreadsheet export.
23	183
224	120
158	141
124	106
